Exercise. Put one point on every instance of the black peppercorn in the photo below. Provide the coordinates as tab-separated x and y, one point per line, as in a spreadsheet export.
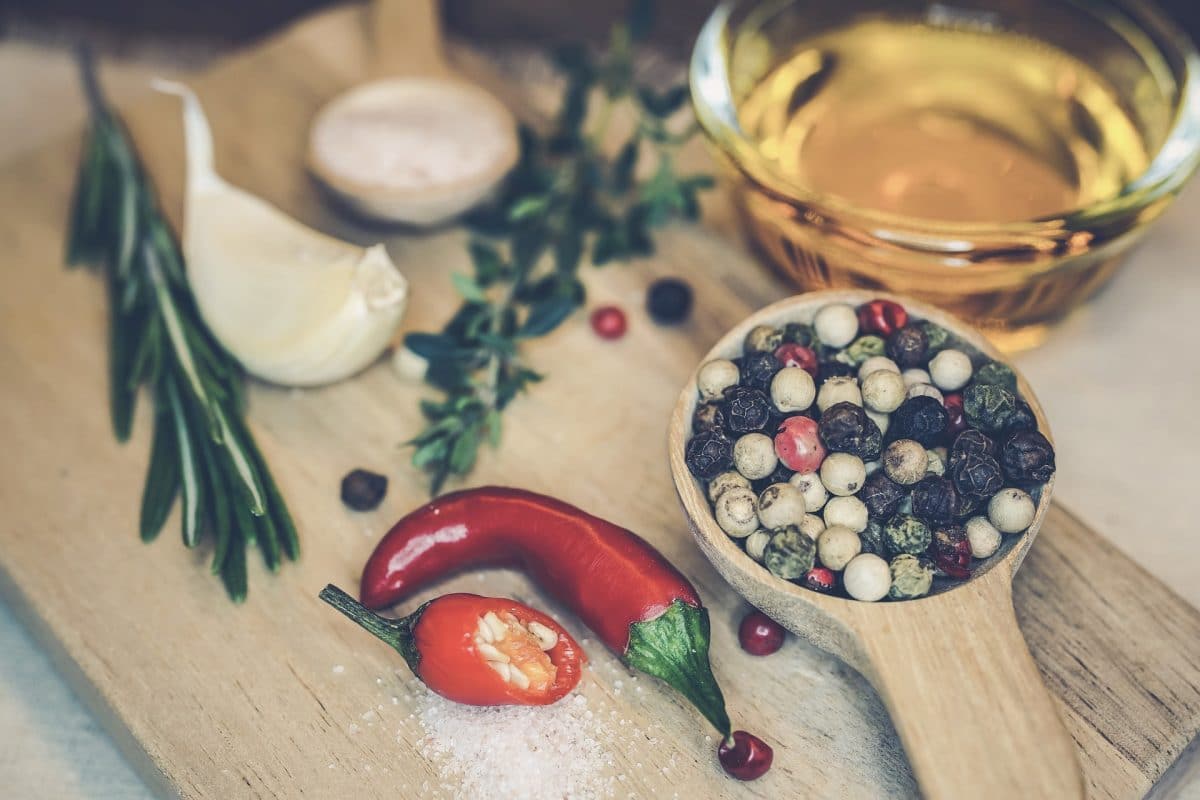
669	301
363	490
988	406
972	441
1027	457
708	417
709	454
799	333
976	474
921	418
834	369
938	338
968	506
872	538
758	369
951	551
908	346
1022	418
881	495
746	410
781	474
935	499
846	428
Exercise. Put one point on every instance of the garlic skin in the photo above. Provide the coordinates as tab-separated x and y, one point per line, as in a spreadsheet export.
294	306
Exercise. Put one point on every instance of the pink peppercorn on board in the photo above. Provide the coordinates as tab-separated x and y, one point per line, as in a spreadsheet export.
281	698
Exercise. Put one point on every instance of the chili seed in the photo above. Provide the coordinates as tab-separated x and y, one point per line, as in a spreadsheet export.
935	499
790	553
908	346
609	322
363	490
669	301
760	635
708	454
1028	457
883	317
921	419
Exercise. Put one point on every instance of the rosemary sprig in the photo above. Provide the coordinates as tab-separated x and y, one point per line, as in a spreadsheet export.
565	201
201	447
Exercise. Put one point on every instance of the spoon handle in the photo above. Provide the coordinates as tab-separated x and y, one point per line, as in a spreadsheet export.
407	38
966	696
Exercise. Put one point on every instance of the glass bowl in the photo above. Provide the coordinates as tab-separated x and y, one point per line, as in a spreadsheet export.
1011	277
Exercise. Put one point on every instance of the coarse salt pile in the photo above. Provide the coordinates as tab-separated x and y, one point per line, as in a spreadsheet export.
517	752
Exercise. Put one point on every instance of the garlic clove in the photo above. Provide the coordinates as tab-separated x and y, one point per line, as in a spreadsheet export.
293	305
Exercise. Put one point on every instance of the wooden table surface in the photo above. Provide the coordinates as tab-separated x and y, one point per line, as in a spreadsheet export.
1083	606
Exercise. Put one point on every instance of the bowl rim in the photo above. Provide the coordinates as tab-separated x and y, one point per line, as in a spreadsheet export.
1176	160
715	542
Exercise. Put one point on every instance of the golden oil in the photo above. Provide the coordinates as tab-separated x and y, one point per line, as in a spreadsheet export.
944	123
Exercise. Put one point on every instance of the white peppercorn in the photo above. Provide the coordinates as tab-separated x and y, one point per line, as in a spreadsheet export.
842	389
836	324
905	461
867	578
914	376
792	389
726	480
881	420
1011	510
715	376
951	370
848	512
875	364
924	390
779	505
809	484
836	545
754	456
811	526
736	511
756	543
983	537
935	461
883	391
842	473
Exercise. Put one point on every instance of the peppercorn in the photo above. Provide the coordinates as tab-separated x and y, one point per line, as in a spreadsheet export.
867	578
708	454
924	390
982	536
883	317
747	410
921	419
864	347
1011	510
972	441
809	484
846	428
914	376
875	364
760	635
836	324
829	370
836	545
798	444
708	417
820	579
912	577
988	406
935	462
872	538
780	505
736	511
938	337
905	461
754	456
998	374
842	473
976	475
714	377
881	495
848	511
756	543
792	389
790	553
796	355
908	346
1022	417
839	390
1027	457
968	505
950	370
758	369
904	533
781	474
363	490
799	333
956	420
881	420
669	301
811	526
726	480
763	339
935	499
609	322
951	551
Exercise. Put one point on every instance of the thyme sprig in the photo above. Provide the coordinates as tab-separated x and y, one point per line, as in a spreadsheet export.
565	203
201	447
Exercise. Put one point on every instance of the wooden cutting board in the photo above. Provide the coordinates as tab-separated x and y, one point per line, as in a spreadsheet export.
213	700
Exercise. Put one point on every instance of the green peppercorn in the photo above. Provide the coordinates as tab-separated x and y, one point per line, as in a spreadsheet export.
790	553
763	339
904	533
938	337
988	406
863	348
799	333
912	577
996	373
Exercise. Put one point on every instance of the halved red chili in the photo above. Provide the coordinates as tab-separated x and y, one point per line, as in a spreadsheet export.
484	651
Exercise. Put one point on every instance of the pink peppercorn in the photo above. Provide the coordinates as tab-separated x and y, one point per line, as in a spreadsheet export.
881	317
760	635
798	445
956	420
797	355
609	322
820	579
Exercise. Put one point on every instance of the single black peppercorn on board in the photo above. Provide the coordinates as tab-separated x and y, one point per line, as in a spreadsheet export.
264	709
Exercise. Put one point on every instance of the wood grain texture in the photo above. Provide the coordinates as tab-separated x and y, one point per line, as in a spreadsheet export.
217	701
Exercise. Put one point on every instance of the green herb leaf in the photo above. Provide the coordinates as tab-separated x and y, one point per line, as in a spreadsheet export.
162	478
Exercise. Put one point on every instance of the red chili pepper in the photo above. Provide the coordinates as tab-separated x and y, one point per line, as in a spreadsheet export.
621	587
485	651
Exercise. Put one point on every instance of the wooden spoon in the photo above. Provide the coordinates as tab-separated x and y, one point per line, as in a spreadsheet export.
412	72
952	668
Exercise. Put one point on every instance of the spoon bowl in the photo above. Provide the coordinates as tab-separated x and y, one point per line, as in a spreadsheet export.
952	667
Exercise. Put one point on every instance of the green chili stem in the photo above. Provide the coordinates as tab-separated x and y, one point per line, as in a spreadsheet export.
398	633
